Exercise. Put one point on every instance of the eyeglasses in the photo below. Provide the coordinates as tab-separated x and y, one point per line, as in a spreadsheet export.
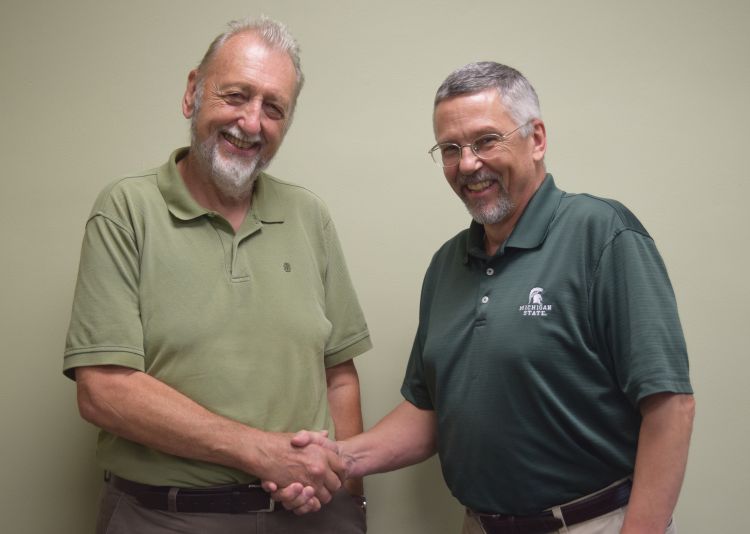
449	154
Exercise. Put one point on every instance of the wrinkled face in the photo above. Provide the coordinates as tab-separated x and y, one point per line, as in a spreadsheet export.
240	107
492	188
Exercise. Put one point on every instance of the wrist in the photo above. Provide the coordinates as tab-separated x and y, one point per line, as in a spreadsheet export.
254	451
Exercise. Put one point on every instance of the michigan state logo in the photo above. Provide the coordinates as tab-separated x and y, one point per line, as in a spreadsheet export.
535	307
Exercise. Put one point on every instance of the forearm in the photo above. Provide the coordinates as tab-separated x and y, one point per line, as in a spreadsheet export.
660	463
142	409
406	436
346	410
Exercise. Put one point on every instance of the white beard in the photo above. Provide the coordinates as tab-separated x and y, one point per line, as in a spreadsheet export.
233	177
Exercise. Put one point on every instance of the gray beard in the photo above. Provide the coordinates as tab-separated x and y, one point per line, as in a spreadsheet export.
234	179
492	213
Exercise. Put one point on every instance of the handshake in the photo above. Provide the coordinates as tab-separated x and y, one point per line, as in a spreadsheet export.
304	471
309	471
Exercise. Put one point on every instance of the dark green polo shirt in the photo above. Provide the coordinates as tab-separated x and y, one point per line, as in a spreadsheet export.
243	323
535	359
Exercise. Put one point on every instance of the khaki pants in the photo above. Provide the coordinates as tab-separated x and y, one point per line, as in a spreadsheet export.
120	513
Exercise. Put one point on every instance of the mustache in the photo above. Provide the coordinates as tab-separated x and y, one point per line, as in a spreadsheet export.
482	175
235	131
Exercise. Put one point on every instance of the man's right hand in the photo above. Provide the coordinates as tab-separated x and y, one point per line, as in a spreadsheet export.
297	497
309	472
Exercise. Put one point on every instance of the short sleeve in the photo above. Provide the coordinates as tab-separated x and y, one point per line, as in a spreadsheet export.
105	326
414	387
349	335
635	319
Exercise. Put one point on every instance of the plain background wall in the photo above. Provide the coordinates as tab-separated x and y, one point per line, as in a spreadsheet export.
644	101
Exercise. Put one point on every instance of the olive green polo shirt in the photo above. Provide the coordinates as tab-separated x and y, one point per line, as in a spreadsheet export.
535	359
243	323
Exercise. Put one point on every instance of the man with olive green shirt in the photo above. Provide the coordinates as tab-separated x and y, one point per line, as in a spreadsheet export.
214	315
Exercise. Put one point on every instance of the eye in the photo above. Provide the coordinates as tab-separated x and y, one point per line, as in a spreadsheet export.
487	143
234	98
449	150
274	111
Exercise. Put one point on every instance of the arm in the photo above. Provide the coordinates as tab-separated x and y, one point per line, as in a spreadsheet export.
138	407
660	461
346	411
406	436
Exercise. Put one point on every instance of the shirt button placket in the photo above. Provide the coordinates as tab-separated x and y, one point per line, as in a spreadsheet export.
489	271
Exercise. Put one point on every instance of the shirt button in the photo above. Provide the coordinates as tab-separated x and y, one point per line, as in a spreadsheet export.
485	300
490	271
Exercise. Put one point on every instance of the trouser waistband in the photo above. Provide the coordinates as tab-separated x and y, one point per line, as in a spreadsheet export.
598	504
235	499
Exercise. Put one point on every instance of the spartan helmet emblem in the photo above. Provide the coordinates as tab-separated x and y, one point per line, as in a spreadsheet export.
535	295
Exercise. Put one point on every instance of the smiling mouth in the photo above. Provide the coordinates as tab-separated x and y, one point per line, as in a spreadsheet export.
242	144
478	186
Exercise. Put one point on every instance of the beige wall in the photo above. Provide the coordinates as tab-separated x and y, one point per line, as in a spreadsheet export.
644	101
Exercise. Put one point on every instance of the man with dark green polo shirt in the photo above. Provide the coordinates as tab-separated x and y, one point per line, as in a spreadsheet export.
214	315
549	369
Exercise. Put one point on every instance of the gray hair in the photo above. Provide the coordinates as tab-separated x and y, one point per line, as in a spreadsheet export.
273	33
516	93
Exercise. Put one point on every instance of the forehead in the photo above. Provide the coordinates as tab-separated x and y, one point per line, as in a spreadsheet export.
246	59
464	117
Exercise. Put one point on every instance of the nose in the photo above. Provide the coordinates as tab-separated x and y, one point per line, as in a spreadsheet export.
250	115
469	162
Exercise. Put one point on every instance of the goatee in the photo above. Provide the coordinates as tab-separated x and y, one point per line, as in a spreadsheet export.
233	177
487	212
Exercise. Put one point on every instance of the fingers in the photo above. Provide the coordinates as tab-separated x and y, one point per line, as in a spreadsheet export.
334	475
306	473
313	505
306	437
268	486
298	498
302	439
291	493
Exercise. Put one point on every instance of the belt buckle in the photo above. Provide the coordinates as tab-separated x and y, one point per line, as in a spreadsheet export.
271	502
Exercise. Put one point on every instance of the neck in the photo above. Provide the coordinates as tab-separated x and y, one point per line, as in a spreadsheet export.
496	234
491	242
204	191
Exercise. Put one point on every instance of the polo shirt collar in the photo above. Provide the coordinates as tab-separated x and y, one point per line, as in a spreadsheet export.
531	228
266	206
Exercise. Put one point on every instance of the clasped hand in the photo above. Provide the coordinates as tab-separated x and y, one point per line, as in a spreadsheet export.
298	496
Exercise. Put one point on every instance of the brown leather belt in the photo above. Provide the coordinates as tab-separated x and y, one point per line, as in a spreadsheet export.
577	512
235	499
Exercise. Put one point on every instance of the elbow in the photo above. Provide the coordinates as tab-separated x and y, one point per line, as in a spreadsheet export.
688	408
431	447
88	398
97	389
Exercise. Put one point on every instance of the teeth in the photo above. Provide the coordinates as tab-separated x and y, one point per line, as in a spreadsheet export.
478	186
239	143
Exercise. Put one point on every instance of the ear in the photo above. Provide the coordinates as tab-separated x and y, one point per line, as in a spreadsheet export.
188	99
539	137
